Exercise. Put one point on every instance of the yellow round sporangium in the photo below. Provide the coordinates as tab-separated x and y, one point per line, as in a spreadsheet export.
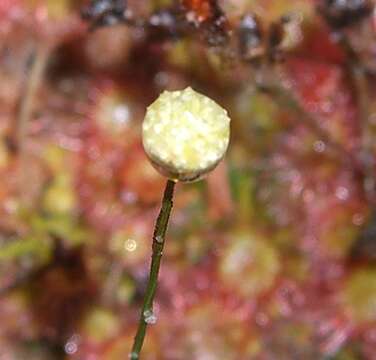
185	134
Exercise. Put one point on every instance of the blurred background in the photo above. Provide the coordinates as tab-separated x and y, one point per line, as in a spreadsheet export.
271	257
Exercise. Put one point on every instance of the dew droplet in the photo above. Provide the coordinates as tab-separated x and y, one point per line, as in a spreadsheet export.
358	219
71	345
128	197
342	193
70	348
149	317
261	319
319	146
130	245
161	78
308	196
121	114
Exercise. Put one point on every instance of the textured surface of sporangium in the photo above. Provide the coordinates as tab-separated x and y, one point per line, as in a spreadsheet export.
185	134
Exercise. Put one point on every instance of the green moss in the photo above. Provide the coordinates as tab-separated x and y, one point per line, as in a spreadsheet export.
32	246
341	234
60	197
126	290
101	324
196	247
57	9
4	155
62	226
360	295
349	352
258	119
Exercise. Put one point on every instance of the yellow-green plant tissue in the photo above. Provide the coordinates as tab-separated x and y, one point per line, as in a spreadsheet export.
185	134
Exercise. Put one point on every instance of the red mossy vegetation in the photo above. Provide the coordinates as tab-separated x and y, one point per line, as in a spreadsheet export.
272	257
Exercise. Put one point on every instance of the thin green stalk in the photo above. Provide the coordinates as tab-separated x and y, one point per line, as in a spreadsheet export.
158	243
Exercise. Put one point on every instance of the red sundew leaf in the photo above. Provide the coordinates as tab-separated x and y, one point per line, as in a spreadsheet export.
318	44
323	91
216	340
8	6
139	180
96	188
286	338
220	203
203	9
316	195
369	340
315	81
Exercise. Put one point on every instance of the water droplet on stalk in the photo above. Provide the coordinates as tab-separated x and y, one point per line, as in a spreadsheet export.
159	239
133	356
149	317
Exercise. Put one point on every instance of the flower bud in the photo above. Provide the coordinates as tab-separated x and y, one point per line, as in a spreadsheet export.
185	134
